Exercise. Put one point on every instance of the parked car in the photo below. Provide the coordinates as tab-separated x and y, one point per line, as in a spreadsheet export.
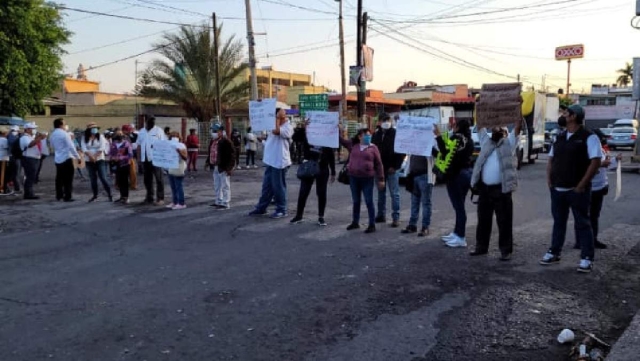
622	137
606	131
626	123
551	130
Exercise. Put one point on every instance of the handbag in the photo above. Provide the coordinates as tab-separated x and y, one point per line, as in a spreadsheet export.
178	172
343	176
308	169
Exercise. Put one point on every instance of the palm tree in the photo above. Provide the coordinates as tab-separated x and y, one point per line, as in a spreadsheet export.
187	74
626	75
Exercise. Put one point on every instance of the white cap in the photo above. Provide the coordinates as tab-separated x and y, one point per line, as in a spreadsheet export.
14	128
31	125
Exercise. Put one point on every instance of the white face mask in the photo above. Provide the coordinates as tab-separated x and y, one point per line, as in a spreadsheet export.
215	136
386	125
174	140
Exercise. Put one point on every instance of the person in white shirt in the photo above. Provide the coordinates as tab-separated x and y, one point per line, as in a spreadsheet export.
4	159
94	147
30	146
277	160
64	153
495	178
146	137
44	149
251	146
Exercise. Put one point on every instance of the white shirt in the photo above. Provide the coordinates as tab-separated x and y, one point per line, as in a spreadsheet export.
145	141
97	147
594	149
276	148
44	147
31	152
4	149
601	179
491	169
63	146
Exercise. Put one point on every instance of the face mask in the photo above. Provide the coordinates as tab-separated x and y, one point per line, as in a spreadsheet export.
496	136
175	140
366	140
562	121
215	136
386	125
94	131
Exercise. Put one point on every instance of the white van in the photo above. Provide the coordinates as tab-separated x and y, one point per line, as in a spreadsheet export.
626	123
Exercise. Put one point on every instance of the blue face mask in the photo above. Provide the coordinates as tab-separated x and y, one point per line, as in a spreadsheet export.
366	140
94	131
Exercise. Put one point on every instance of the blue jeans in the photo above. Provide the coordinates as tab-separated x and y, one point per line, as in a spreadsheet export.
98	170
457	188
578	203
361	185
274	185
421	195
177	192
393	184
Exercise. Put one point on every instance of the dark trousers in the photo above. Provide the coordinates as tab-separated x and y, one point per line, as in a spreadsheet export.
238	150
457	188
193	159
151	172
491	200
30	166
321	180
14	173
98	170
122	180
597	199
64	179
578	203
42	158
360	186
251	156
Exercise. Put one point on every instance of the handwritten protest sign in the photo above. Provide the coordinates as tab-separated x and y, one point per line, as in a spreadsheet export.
499	105
262	114
165	155
414	135
322	130
618	181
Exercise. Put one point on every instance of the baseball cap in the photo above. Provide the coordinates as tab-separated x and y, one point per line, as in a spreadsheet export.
31	125
577	110
14	128
217	127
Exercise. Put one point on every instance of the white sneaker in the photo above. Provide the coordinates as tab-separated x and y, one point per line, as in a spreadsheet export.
457	242
239	167
449	237
585	266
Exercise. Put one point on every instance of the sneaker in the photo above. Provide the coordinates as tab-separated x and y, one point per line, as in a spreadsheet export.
505	257
424	232
457	242
278	215
353	226
370	229
296	220
395	224
214	205
549	258
178	207
381	219
256	212
222	207
321	222
585	266
600	245
125	201
449	237
159	203
170	205
409	229
239	167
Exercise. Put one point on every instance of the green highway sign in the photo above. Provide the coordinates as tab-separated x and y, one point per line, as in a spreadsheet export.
309	102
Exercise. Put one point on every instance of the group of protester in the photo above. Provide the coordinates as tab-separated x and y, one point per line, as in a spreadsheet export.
576	174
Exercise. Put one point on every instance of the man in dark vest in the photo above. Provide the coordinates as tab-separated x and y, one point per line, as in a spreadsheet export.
574	159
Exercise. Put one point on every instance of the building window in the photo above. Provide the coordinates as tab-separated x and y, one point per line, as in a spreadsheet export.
600	101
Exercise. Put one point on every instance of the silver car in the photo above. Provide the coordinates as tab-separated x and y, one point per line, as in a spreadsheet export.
622	137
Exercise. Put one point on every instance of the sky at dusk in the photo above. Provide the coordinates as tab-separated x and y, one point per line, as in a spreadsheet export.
426	41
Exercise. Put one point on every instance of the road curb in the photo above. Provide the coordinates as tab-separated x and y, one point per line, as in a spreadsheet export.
628	345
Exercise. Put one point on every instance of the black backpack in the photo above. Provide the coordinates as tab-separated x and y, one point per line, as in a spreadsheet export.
16	152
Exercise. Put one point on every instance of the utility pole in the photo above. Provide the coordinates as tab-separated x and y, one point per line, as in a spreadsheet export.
218	104
568	76
360	41
137	109
252	51
345	108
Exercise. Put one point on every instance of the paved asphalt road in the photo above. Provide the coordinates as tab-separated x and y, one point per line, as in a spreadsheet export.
108	282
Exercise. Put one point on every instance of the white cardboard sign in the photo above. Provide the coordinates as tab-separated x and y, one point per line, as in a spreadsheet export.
262	114
414	135
322	130
165	155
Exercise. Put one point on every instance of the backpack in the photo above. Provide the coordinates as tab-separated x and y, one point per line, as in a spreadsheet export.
16	152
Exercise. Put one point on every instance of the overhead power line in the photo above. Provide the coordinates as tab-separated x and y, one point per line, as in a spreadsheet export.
125	17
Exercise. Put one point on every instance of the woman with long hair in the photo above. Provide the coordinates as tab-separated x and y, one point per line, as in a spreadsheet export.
459	147
93	146
326	160
120	154
365	166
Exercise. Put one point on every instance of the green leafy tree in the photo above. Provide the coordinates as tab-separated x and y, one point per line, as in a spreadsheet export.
31	38
626	75
187	74
144	84
566	101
